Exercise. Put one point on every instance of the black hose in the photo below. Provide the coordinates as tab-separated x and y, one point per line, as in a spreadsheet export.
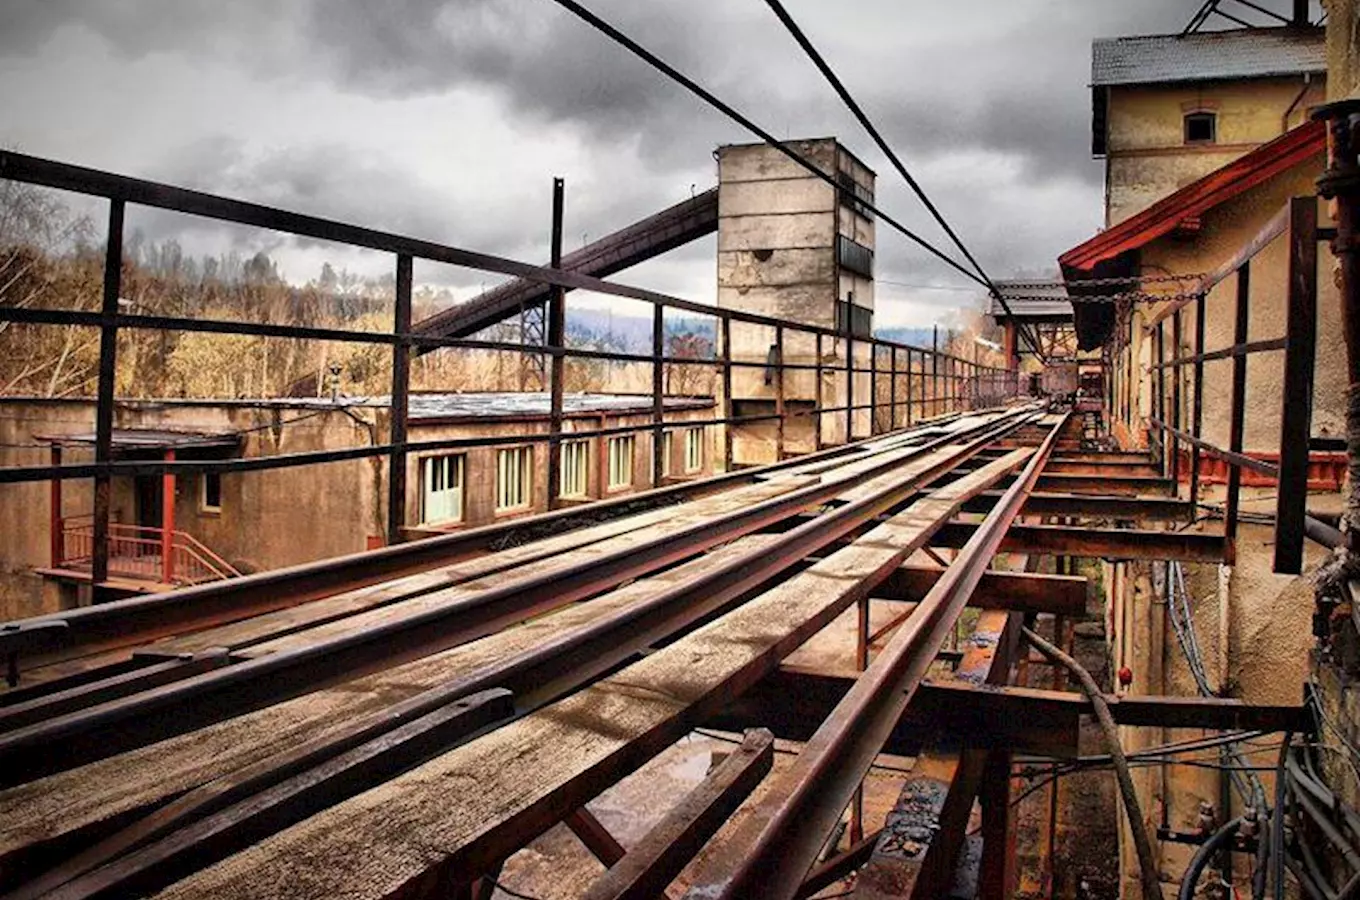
1277	821
1216	842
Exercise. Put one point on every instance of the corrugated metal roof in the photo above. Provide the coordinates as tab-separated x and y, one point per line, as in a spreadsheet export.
1208	56
1057	307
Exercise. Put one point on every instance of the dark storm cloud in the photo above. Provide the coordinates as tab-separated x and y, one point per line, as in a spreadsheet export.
987	102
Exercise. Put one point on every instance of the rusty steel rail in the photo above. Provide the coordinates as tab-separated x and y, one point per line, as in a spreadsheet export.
803	807
100	731
561	665
134	620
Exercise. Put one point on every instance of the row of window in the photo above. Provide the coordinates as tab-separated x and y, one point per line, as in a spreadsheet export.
442	477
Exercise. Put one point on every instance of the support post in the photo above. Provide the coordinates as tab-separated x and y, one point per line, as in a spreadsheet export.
849	383
1159	408
1176	380
58	527
168	521
725	325
817	401
779	392
1296	418
557	361
997	879
1238	411
1197	416
873	388
108	362
892	389
400	409
910	399
658	390
935	371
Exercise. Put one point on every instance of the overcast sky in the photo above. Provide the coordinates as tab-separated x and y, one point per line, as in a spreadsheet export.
447	120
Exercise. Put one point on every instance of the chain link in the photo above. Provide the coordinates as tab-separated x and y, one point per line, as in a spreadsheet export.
1100	282
1129	297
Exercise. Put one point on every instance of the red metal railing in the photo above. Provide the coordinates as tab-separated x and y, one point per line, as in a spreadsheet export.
140	552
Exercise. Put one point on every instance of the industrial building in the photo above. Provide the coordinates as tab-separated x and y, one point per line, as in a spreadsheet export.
871	620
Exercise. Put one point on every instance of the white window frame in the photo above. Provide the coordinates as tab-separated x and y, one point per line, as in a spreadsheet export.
514	478
622	449
575	469
444	475
694	450
667	446
204	506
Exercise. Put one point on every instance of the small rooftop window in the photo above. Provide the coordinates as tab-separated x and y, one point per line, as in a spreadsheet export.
1201	128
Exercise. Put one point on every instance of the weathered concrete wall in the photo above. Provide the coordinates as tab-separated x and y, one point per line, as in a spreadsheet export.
277	517
1147	155
777	256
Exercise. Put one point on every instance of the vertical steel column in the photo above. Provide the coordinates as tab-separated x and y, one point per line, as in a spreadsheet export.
1197	414
168	522
54	507
1159	408
1238	420
108	365
1296	419
400	408
817	396
1176	402
556	341
910	399
849	383
892	388
996	878
935	372
873	387
779	392
658	390
725	325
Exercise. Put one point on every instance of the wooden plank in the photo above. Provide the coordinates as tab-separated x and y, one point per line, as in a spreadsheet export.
663	852
470	807
1296	417
101	793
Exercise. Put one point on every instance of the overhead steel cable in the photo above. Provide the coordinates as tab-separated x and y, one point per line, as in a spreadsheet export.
834	80
708	97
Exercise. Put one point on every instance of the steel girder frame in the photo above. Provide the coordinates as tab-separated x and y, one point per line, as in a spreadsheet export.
787	831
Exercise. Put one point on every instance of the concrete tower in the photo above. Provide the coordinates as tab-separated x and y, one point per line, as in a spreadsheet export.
793	247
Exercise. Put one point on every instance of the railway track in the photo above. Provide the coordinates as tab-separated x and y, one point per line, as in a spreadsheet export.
203	743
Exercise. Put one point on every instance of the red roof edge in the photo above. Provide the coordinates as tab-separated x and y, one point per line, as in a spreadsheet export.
1240	175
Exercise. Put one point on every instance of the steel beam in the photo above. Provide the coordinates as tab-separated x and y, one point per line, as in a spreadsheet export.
788	831
1107	543
1026	591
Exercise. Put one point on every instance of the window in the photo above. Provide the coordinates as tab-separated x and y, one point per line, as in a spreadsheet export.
854	195
575	469
1201	128
441	488
854	256
514	478
694	449
667	441
210	492
621	461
